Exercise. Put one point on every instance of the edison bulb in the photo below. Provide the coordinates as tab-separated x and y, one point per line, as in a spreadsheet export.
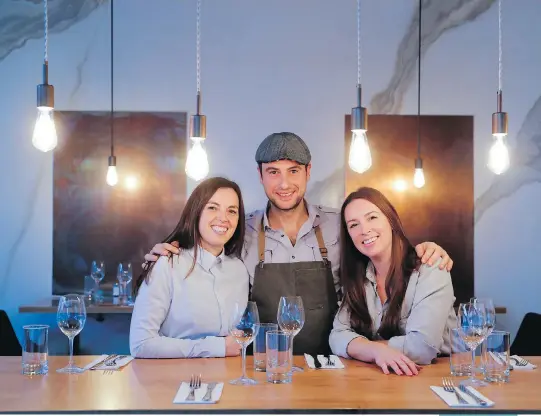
44	137
419	178
112	176
498	157
197	164
360	158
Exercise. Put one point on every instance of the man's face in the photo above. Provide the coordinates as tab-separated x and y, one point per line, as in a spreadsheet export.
285	182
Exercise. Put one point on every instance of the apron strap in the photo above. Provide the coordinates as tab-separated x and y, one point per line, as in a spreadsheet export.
321	244
261	244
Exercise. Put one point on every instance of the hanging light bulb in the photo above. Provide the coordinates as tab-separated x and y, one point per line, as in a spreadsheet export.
197	165
44	137
112	175
360	158
498	156
419	175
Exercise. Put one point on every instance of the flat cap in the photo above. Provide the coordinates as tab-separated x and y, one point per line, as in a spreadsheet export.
281	146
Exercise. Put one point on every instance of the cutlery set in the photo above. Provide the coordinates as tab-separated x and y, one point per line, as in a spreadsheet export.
328	361
195	383
109	361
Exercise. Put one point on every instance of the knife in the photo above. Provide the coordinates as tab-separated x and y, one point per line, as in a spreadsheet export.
317	364
473	396
208	394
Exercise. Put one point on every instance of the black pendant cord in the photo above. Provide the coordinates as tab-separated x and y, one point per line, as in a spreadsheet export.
419	85
111	124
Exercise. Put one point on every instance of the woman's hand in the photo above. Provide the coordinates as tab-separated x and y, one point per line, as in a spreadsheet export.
385	357
160	249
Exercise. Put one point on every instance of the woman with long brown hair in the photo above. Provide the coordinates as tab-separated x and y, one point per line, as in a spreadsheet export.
394	312
184	301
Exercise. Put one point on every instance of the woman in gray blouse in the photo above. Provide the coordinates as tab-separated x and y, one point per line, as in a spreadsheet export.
184	301
394	312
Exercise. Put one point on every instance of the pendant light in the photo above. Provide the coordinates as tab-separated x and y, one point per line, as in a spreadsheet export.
419	175
498	157
112	175
197	165
360	158
44	137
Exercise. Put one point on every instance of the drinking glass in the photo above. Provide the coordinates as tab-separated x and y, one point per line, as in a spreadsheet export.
97	271
71	318
260	345
472	325
490	312
124	276
291	319
243	327
35	350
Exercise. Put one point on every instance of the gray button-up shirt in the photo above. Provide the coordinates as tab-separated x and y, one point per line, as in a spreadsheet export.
426	318
278	247
175	316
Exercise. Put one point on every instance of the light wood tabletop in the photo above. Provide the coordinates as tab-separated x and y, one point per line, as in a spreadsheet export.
151	385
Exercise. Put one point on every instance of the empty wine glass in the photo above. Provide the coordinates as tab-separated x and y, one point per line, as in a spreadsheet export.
97	272
71	318
490	312
124	276
291	319
472	326
243	327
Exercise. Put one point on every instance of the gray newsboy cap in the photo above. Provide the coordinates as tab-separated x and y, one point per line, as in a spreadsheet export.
280	146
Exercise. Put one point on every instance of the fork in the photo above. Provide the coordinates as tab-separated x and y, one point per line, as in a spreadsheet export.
195	383
329	361
450	387
519	362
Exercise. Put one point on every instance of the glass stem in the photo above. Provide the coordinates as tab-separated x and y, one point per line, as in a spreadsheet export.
291	350
71	352
472	376
244	361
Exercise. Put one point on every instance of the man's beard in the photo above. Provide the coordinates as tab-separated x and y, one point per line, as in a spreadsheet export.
295	205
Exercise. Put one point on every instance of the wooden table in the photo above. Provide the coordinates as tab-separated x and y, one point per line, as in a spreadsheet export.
150	386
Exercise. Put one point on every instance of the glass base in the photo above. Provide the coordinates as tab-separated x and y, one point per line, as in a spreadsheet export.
474	382
244	381
296	369
71	370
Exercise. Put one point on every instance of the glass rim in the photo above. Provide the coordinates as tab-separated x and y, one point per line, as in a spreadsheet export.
35	326
278	332
499	332
267	324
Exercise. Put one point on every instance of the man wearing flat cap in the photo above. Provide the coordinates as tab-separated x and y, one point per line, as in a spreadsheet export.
292	247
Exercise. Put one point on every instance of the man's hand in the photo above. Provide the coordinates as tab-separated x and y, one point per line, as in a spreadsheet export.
160	249
232	347
430	252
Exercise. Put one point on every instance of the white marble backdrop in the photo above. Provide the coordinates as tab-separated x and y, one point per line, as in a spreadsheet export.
274	66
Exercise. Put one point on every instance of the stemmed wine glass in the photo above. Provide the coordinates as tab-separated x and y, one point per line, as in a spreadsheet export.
71	318
490	312
97	272
124	276
472	326
291	319
243	326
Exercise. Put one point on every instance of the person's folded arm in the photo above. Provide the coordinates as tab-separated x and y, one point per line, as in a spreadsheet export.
433	300
150	311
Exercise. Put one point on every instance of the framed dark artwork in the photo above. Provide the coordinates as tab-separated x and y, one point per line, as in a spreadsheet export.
443	210
95	221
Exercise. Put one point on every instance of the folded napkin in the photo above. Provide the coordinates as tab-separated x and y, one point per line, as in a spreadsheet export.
452	401
323	361
184	391
500	357
118	364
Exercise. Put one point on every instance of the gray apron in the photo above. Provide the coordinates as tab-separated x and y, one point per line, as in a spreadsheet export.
312	281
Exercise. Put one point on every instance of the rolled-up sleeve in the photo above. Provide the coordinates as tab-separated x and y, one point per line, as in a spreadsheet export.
342	333
150	310
425	325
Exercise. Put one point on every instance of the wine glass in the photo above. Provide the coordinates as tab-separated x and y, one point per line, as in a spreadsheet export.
490	312
97	271
71	318
291	319
243	325
472	326
124	276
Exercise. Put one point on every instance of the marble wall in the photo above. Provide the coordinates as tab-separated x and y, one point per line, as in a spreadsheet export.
274	66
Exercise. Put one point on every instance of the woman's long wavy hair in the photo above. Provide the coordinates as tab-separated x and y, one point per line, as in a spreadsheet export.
353	265
187	234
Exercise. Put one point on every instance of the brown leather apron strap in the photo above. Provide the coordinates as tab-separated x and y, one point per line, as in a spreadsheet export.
261	244
321	244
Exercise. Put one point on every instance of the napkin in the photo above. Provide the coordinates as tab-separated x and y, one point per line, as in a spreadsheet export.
184	391
336	361
500	357
452	401
119	363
